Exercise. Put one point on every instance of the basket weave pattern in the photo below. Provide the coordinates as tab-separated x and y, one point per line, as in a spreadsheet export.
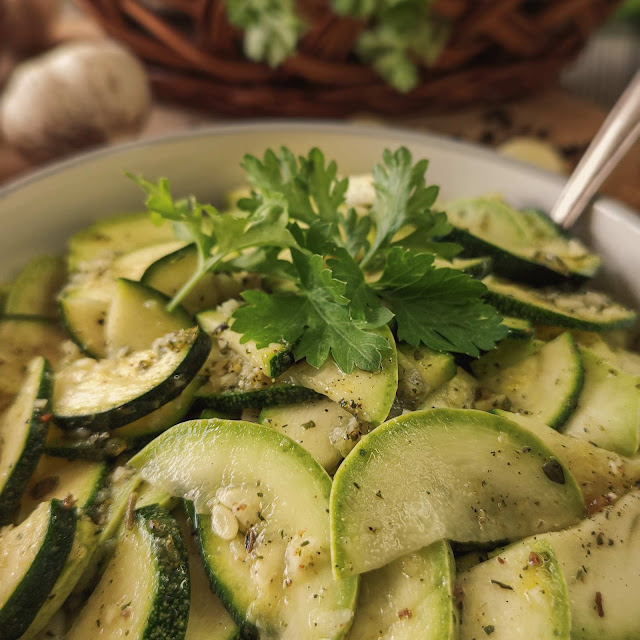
499	49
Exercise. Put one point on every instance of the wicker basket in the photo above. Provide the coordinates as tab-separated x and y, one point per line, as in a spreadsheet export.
499	49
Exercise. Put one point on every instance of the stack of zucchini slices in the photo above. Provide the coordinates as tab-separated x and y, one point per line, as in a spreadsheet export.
160	479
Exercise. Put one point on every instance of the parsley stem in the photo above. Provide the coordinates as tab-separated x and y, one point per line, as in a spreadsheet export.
202	269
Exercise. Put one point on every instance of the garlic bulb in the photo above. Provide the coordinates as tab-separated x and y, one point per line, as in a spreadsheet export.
76	96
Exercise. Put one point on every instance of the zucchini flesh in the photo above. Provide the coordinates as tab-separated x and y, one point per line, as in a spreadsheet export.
519	594
285	500
170	272
107	394
21	340
608	409
474	478
601	475
138	317
324	429
368	395
410	598
587	310
85	301
151	601
114	236
34	291
601	555
58	478
545	385
33	556
22	433
420	372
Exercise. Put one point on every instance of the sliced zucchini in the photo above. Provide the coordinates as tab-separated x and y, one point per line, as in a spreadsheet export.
85	301
138	316
321	426
519	594
369	395
608	409
420	372
34	291
523	244
476	267
84	545
410	598
518	327
600	558
462	475
170	272
545	385
151	601
270	361
507	353
21	340
208	619
107	394
588	310
57	478
602	476
22	433
463	391
106	239
267	396
263	528
33	556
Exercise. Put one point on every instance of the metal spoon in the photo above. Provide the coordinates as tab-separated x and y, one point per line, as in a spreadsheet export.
616	136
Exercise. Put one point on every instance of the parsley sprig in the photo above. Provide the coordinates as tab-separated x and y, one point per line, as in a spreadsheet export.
337	277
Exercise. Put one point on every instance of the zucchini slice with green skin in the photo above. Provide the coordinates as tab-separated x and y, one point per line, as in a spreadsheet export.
267	396
507	353
144	592
321	426
601	475
270	520
106	445
518	327
138	317
420	372
476	267
208	619
587	310
57	478
271	361
84	303
34	291
475	477
545	385
522	244
600	559
107	394
369	395
111	237
410	598
34	555
519	594
84	546
22	339
608	409
22	432
170	272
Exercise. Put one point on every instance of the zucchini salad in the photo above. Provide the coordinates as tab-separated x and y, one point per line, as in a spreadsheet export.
332	408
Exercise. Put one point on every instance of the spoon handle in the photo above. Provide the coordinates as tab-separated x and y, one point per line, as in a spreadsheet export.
616	136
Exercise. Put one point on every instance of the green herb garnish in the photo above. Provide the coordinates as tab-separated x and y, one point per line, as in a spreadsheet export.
337	278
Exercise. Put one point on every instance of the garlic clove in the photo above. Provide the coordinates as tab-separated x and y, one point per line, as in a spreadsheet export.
78	95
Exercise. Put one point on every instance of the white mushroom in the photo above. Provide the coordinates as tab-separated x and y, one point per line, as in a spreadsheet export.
76	96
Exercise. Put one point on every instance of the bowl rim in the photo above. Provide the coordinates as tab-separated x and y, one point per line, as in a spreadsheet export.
401	133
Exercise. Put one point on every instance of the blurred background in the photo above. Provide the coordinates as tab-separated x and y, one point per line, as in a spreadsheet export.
531	78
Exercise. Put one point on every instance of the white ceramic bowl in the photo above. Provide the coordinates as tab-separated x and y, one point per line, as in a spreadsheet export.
39	212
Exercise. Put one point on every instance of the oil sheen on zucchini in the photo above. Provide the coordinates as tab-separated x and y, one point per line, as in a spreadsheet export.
144	592
22	432
263	528
474	477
